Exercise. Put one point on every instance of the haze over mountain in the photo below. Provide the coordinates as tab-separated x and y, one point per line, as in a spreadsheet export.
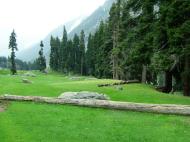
32	20
88	24
31	53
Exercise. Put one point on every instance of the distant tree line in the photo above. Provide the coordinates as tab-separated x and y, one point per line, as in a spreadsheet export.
140	40
5	63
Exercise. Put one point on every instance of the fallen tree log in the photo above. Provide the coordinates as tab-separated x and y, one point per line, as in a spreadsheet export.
140	107
119	83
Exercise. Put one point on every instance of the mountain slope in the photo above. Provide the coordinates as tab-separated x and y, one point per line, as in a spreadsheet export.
92	22
31	53
88	25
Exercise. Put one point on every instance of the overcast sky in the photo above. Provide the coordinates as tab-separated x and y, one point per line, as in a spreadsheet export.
34	19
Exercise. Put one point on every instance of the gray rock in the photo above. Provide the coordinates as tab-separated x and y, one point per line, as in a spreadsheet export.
120	88
26	81
83	95
75	78
30	74
45	71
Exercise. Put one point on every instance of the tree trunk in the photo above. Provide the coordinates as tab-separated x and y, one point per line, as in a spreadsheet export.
144	73
113	55
168	82
141	107
113	68
116	71
81	69
178	79
186	77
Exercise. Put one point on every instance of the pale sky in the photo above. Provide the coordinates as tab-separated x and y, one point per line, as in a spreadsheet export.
34	19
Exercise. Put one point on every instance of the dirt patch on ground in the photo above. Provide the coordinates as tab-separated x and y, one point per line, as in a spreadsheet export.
3	106
1	109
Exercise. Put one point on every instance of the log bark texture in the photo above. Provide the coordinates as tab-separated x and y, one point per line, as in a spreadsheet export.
140	107
119	83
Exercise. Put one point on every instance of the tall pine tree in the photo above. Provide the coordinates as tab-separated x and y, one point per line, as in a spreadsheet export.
63	52
82	52
41	59
13	47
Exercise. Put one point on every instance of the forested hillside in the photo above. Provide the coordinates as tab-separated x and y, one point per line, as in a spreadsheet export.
140	40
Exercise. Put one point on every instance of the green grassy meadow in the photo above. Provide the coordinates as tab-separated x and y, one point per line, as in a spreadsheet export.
31	122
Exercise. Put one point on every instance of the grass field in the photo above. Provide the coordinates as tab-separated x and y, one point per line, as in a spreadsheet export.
30	122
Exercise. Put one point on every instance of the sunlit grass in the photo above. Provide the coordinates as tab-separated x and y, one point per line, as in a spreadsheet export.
31	122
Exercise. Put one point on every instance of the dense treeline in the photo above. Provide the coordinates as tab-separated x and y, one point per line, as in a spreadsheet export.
5	63
140	40
68	55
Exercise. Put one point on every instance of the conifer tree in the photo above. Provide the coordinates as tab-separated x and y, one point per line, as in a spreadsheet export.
145	30
82	52
41	59
178	31
90	56
114	21
76	54
70	57
63	51
54	55
13	47
161	58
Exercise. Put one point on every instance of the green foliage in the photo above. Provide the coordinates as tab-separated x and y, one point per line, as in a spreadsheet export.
139	40
76	54
68	56
55	55
151	33
90	56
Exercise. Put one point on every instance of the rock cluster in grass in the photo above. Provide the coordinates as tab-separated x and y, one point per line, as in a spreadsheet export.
75	78
119	88
83	95
30	74
91	78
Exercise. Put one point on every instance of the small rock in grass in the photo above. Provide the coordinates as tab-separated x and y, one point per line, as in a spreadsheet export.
1	109
26	81
120	88
45	71
83	95
3	106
